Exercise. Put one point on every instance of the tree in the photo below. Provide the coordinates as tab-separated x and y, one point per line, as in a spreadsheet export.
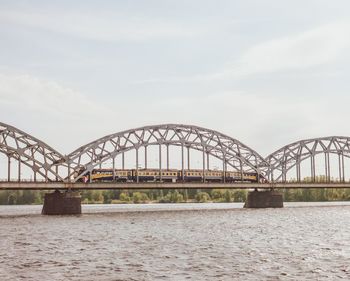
124	197
202	197
218	195
12	199
139	197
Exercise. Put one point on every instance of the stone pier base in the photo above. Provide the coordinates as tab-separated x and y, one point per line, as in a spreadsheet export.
264	199
62	203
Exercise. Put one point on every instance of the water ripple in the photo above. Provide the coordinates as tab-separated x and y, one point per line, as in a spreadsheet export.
165	242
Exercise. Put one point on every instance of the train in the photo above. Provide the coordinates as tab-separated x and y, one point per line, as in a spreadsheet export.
172	175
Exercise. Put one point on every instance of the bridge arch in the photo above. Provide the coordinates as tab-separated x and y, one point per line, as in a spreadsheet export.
30	151
229	150
282	161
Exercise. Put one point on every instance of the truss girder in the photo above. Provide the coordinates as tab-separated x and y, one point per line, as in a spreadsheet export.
229	150
47	162
28	150
288	157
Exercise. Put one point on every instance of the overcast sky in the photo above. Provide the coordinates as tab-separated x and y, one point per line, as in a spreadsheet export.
265	72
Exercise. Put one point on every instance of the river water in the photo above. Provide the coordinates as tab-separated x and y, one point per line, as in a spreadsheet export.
303	241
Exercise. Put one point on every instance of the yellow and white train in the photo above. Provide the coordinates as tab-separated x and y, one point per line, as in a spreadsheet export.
173	175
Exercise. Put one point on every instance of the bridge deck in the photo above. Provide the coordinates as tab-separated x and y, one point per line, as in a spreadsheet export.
159	185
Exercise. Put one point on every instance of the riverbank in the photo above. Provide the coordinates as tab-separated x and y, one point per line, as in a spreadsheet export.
28	197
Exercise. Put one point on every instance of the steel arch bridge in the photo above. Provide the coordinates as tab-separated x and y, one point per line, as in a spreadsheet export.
291	156
51	165
30	151
230	151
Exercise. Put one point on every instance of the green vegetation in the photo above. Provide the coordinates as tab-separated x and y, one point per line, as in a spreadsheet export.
174	196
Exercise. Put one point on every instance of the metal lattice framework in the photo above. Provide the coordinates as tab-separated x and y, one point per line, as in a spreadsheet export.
291	156
28	150
48	163
232	152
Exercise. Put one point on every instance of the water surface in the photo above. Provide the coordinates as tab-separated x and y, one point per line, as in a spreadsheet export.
304	241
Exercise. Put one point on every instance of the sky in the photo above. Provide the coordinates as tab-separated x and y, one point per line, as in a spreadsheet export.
267	73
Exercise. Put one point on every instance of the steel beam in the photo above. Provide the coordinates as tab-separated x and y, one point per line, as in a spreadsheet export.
167	156
343	167
188	158
182	162
145	156
19	170
160	162
162	185
113	167
137	165
203	159
8	168
208	167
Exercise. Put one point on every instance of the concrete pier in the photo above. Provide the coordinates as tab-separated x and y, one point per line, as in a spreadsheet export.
62	203
264	199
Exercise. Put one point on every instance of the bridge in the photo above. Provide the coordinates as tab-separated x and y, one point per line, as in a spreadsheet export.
312	163
164	185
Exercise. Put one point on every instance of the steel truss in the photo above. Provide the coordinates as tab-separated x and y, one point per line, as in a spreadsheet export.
290	156
53	166
230	151
28	150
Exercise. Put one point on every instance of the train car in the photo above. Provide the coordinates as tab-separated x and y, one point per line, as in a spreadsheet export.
152	175
199	176
250	177
241	177
107	175
213	176
192	175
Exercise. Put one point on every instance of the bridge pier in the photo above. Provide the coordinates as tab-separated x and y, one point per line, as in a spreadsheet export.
62	203
264	199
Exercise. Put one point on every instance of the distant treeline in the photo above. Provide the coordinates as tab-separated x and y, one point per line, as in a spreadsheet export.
174	196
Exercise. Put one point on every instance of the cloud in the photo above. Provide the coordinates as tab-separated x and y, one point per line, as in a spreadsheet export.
106	26
314	47
262	122
29	93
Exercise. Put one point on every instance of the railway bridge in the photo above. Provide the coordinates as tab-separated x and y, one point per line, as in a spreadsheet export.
217	160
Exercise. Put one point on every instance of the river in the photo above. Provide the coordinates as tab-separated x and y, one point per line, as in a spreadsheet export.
303	241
